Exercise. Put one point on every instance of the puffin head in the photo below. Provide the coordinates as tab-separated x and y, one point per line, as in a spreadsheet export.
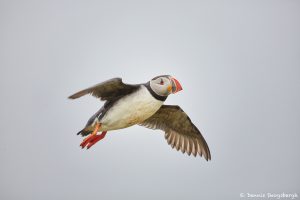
165	85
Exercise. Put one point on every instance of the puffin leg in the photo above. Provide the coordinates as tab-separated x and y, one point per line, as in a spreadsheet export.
96	139
90	137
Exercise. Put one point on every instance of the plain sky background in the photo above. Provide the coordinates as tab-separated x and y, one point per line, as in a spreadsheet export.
239	65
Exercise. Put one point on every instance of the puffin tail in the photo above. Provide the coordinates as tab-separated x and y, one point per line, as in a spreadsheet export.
84	132
88	129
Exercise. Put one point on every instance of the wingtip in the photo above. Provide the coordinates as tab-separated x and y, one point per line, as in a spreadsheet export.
79	94
208	157
73	96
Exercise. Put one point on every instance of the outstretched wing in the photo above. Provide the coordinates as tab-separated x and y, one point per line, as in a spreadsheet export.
180	132
108	90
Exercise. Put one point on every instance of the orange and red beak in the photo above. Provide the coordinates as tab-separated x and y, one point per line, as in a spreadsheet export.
176	87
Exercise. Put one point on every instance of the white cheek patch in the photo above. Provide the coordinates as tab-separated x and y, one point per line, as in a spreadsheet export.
161	90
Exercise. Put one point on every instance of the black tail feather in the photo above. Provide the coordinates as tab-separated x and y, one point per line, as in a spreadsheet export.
79	132
84	132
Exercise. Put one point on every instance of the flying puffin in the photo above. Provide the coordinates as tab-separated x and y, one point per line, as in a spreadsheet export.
142	104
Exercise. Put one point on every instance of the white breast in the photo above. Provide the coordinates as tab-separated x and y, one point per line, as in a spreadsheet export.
130	110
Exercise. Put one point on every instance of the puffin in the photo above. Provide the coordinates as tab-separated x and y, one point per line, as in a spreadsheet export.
142	104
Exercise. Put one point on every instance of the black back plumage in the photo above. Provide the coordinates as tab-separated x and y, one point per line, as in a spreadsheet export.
110	91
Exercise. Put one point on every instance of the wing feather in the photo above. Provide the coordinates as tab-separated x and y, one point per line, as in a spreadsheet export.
107	90
180	132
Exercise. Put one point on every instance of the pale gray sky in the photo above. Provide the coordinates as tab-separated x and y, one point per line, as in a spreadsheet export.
238	63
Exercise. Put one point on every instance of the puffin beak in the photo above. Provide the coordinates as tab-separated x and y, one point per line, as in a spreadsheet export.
176	87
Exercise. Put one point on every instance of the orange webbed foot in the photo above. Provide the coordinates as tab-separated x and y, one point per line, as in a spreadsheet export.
96	139
90	137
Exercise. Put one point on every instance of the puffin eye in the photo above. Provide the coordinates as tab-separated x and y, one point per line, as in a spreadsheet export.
161	82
